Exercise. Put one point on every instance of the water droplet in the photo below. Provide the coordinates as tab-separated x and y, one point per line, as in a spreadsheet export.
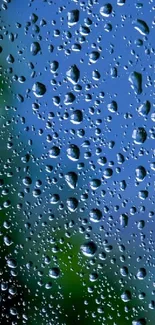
73	152
35	48
69	99
11	263
141	274
108	172
121	2
94	56
95	184
54	272
106	10
72	204
54	199
139	135
27	181
126	296
39	89
71	179
141	27
135	79
124	271
73	17
144	108
54	66
112	107
73	74
76	117
93	277
89	249
143	194
7	240
123	220
140	173
54	152
95	215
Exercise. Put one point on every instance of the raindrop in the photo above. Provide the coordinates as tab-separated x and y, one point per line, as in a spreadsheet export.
123	220
139	135
95	184
94	56
141	274
73	152
73	17
39	89
144	108
108	172
27	181
121	2
72	204
71	178
126	296
140	173
54	152
143	194
141	27
12	264
35	48
89	249
135	79
69	99
112	107
54	272
77	117
106	10
54	66
73	74
95	215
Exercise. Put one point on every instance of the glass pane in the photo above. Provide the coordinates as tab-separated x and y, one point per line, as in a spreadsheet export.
77	162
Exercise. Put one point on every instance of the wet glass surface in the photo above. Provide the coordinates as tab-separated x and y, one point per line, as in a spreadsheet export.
77	162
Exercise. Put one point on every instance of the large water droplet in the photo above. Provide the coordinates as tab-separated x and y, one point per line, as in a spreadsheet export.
126	296
54	66
94	56
144	108
106	10
95	215
73	74
39	89
54	152
143	194
95	183
141	274
139	135
71	179
77	117
35	48
140	173
73	17
89	249
69	99
72	204
123	220
54	272
73	152
141	27
121	2
135	79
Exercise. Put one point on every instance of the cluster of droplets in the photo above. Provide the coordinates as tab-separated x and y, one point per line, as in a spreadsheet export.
83	125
